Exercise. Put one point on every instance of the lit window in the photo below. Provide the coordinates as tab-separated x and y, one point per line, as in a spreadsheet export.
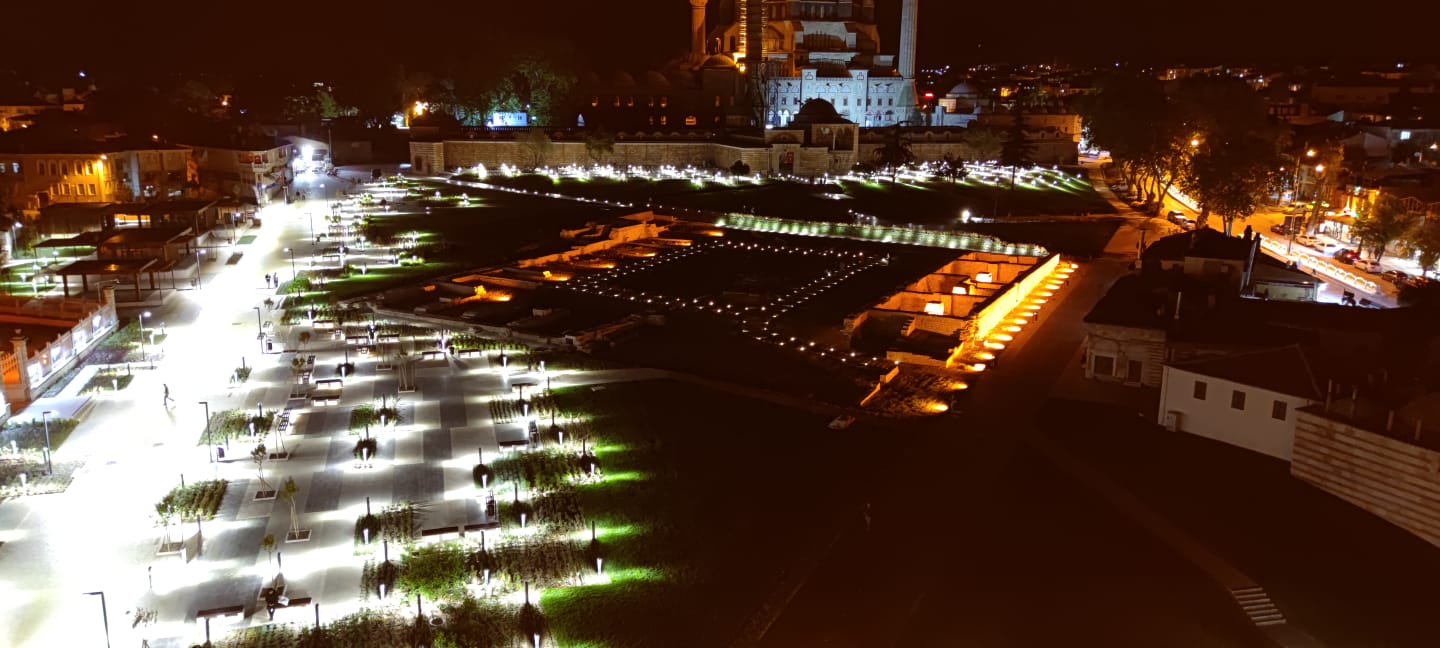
90	188
691	121
1404	135
934	308
1199	392
594	101
1237	400
664	120
664	102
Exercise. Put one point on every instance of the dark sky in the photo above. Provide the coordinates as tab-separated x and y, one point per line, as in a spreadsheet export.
314	37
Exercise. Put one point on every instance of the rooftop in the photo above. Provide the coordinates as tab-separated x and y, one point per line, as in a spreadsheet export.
1286	370
1201	243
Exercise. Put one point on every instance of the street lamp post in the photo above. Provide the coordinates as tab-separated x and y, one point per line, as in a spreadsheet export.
312	226
210	446
104	615
144	348
199	268
259	330
293	275
45	420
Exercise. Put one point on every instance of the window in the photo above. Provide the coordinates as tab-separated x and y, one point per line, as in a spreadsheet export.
1199	392
1104	365
717	101
664	120
691	120
1237	400
1278	410
90	188
594	101
53	169
40	168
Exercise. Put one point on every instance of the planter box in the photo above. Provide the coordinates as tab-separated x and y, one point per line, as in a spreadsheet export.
170	548
266	495
303	535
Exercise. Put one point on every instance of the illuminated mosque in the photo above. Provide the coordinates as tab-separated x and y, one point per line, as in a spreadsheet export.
809	49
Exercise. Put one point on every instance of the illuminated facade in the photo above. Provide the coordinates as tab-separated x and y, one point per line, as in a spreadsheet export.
117	170
824	50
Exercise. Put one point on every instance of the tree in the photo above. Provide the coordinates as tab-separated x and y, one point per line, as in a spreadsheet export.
1143	128
259	455
983	144
268	544
1382	222
289	490
1424	239
1016	150
537	141
598	144
1230	177
165	512
894	152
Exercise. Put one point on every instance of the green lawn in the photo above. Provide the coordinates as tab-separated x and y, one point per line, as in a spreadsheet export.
708	497
926	203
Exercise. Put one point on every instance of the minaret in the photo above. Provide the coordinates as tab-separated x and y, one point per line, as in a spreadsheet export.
909	24
697	29
753	32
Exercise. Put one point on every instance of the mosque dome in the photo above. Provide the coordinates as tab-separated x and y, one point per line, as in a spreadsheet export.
818	111
657	80
718	61
961	89
622	79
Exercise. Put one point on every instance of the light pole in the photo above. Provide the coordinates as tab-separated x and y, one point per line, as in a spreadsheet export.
199	267
259	330
144	348
104	615
312	225
1295	183
45	420
210	446
293	275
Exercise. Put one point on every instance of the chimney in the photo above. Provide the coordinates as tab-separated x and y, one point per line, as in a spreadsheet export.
1178	295
909	31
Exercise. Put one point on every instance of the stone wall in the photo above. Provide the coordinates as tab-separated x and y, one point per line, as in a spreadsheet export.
463	154
1393	479
1125	343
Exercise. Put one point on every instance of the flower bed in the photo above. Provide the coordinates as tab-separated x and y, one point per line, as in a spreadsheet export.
106	381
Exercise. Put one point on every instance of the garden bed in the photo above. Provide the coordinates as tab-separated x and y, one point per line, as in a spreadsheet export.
107	382
200	499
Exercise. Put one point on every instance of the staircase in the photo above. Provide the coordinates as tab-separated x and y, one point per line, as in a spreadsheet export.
1257	605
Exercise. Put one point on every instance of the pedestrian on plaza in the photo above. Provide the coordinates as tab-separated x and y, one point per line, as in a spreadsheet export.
167	400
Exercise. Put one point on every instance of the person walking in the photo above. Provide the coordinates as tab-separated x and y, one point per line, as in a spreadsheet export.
168	399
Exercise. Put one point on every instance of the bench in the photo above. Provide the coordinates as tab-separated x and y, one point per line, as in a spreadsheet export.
299	602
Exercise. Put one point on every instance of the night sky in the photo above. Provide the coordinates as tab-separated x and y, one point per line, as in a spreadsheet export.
316	37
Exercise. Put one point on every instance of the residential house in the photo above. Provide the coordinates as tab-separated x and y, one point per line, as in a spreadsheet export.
249	167
1247	399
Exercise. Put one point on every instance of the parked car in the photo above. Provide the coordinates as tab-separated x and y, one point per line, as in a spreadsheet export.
1175	216
1395	277
1307	240
1187	224
1368	265
1278	228
1345	255
1418	282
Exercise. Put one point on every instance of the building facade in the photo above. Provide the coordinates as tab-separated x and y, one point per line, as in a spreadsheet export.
118	170
259	171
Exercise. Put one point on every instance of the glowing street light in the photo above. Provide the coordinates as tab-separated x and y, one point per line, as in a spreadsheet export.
144	349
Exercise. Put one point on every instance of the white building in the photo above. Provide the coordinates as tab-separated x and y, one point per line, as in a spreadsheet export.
1247	399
